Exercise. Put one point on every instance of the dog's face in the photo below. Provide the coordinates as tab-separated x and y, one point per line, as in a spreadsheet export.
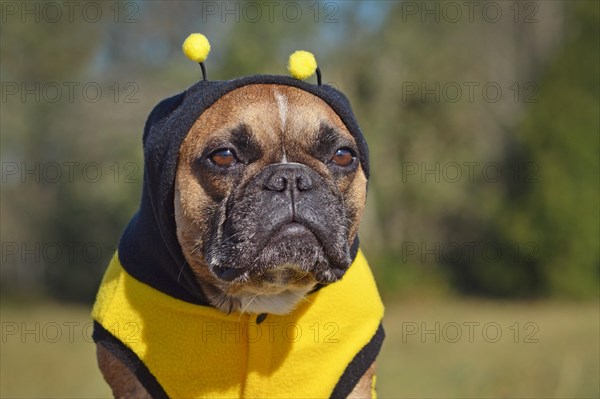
269	193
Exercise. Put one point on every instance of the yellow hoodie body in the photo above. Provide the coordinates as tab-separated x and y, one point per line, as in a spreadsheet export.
197	351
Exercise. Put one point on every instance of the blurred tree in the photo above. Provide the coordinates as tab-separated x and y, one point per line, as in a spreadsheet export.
557	212
40	53
546	215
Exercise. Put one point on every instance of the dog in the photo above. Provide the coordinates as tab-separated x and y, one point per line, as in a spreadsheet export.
264	199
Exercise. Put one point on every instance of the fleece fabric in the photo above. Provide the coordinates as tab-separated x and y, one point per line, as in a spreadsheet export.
196	351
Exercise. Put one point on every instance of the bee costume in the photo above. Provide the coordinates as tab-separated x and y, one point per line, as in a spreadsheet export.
152	315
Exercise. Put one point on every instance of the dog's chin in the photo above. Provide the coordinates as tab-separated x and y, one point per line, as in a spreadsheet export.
287	268
280	304
277	291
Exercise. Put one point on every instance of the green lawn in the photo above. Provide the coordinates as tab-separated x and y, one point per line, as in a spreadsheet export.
46	351
552	352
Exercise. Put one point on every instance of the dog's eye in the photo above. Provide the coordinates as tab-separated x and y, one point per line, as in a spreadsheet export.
223	157
343	157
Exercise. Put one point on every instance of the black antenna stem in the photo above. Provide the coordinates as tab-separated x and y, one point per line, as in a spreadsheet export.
203	71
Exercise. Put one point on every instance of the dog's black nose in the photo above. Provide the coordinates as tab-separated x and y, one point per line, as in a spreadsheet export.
292	177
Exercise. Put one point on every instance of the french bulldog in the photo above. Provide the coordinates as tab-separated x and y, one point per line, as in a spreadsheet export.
269	193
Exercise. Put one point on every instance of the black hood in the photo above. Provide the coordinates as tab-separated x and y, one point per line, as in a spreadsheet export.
149	249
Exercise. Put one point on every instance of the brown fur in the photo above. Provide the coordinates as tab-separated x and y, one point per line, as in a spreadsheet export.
256	106
363	388
122	381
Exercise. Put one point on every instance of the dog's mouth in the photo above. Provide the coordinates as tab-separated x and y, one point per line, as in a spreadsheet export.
292	230
292	234
293	254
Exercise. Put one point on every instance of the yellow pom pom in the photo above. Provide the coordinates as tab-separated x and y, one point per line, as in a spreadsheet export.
196	47
302	64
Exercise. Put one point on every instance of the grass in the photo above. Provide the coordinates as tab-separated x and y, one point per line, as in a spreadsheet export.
46	351
555	353
50	355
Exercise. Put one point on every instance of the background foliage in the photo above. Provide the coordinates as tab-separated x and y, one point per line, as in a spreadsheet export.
439	219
